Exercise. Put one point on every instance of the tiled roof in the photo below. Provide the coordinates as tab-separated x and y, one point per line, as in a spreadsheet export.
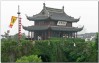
53	14
61	17
63	28
55	28
32	28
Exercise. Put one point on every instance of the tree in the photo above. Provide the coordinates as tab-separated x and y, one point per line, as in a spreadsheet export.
15	37
96	41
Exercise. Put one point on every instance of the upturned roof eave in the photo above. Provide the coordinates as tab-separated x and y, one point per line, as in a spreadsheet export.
42	19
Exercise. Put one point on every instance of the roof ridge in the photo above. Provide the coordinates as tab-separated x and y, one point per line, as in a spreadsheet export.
53	8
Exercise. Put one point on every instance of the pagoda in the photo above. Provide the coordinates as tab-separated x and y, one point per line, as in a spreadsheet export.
52	22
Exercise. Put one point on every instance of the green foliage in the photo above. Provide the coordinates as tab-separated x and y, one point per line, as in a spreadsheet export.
52	50
8	47
31	58
91	52
12	50
23	59
96	40
81	59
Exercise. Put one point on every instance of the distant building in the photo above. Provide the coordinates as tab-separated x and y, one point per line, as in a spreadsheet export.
87	36
52	22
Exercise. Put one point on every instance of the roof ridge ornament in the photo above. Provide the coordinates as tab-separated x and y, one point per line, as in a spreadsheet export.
79	17
63	8
43	5
26	15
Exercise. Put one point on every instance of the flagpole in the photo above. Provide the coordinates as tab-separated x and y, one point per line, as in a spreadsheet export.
19	24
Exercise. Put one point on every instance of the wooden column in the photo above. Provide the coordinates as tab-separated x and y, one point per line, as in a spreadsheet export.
28	34
68	35
64	34
34	35
44	35
76	34
31	35
48	34
71	34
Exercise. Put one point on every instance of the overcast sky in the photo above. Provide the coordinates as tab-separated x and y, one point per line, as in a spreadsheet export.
87	10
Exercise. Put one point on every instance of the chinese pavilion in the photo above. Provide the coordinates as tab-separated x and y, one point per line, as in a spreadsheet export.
52	22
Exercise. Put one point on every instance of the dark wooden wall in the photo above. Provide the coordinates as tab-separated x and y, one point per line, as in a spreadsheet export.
69	24
45	23
53	23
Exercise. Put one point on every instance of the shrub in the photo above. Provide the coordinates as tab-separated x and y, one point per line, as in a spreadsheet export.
31	58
